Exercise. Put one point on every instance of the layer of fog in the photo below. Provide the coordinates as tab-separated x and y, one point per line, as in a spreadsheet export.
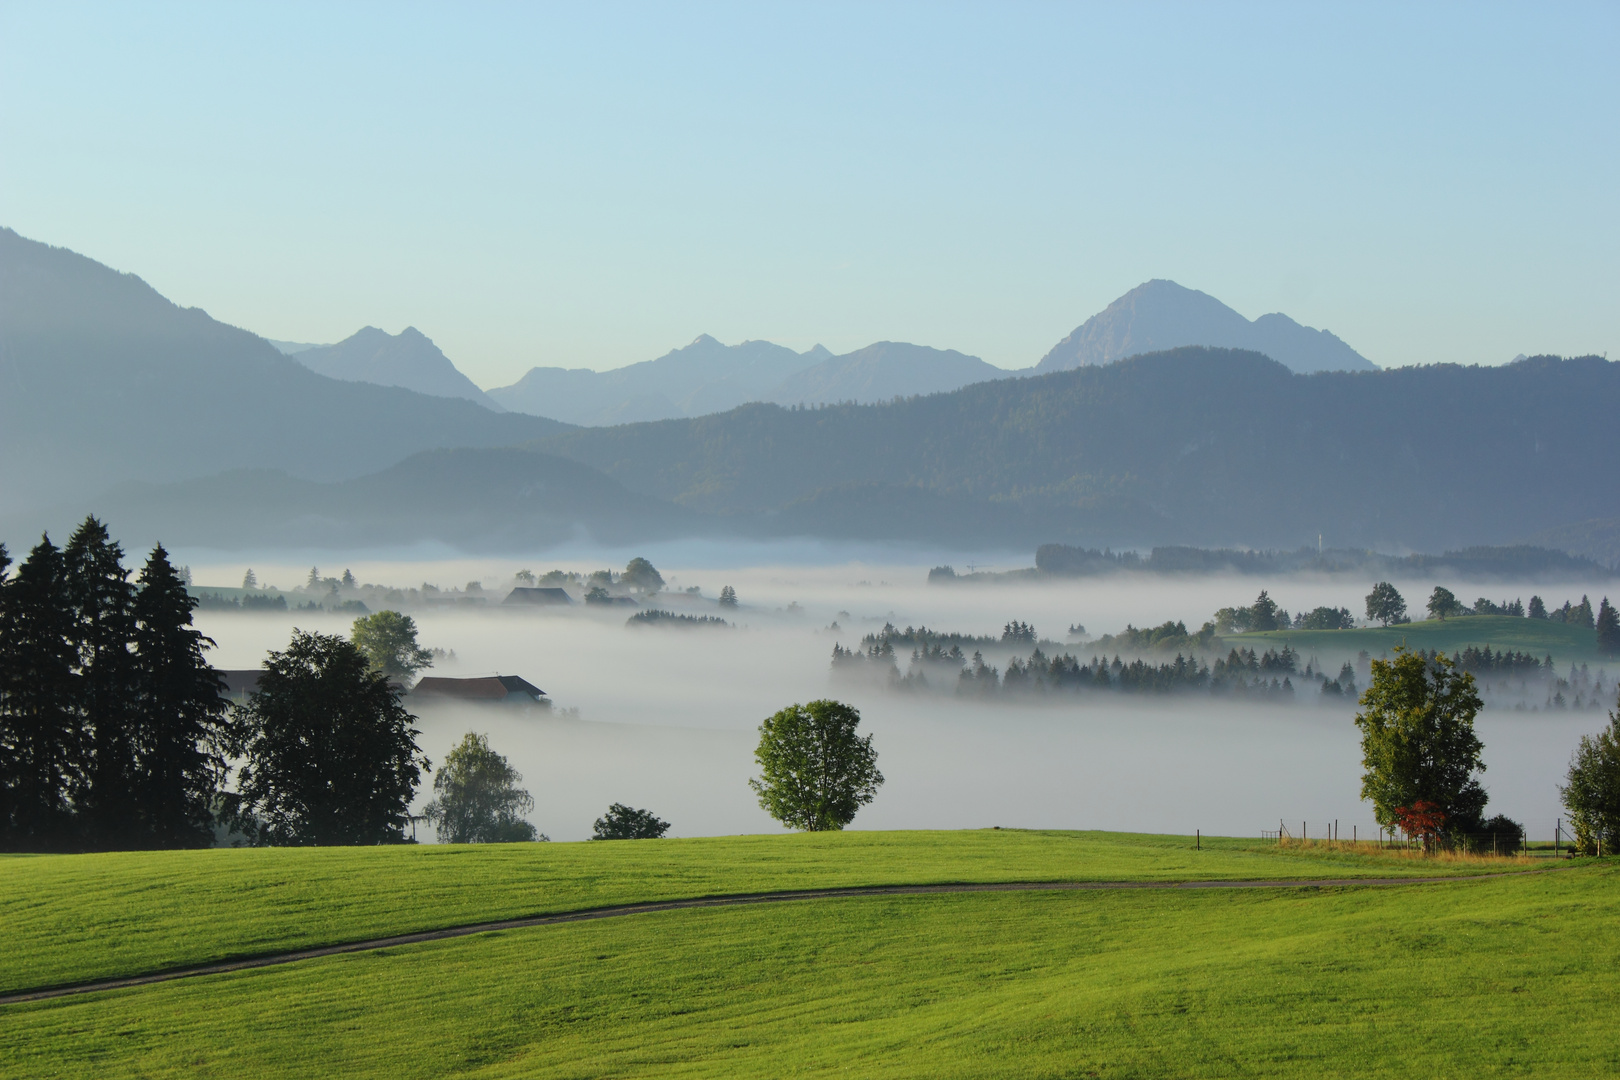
667	718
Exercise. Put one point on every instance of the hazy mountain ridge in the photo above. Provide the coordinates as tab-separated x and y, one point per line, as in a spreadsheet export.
408	359
1159	315
107	381
709	377
476	499
702	377
883	370
1195	445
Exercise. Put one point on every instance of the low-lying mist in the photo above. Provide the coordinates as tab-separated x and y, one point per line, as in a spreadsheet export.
666	717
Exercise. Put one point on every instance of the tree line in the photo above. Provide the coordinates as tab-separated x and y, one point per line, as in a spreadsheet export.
112	723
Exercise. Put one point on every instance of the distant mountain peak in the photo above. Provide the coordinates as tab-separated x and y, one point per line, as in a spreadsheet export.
407	359
1160	314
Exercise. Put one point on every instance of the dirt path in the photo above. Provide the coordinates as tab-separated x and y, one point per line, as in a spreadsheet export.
271	959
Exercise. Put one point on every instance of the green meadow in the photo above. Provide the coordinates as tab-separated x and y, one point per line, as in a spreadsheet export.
1538	637
1514	975
73	918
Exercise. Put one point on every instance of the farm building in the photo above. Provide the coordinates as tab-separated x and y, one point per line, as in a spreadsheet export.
543	597
496	689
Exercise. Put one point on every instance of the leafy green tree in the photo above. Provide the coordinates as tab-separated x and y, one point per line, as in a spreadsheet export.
815	772
388	640
1386	604
180	712
1418	742
330	754
101	601
728	597
479	801
1538	608
41	738
641	576
1608	629
1592	791
623	823
1443	603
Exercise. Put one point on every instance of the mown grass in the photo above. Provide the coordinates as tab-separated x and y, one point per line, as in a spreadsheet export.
71	918
1502	977
1535	636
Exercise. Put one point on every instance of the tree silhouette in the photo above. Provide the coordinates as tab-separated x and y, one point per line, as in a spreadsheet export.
101	605
180	714
41	740
330	753
624	823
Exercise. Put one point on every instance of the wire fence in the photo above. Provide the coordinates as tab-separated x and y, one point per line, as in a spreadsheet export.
1550	838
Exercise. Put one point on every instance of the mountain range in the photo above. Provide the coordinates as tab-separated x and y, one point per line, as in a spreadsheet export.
707	376
103	382
1191	446
115	399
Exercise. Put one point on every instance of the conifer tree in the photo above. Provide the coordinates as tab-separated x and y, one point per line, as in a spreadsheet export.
41	745
101	602
1608	629
180	713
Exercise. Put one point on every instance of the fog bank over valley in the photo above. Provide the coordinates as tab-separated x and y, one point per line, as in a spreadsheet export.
665	717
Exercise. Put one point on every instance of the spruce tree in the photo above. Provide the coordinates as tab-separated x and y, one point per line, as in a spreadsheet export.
1608	629
103	625
180	713
41	743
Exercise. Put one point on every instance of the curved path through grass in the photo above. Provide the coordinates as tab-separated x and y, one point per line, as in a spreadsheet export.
272	959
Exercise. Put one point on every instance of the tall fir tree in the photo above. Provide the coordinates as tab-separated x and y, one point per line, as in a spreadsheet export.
180	714
41	740
1608	629
103	628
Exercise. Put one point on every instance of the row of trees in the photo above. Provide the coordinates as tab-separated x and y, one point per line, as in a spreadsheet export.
1422	758
112	723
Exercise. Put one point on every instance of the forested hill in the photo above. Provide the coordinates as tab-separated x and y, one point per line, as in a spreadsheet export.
1193	445
103	380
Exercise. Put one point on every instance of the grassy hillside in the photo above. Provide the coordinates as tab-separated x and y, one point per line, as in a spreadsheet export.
1505	976
78	917
1535	636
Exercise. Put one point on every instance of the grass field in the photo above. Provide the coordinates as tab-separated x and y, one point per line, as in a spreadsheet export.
1538	637
72	918
1514	976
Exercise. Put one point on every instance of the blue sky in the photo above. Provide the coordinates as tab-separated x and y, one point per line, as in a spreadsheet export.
590	185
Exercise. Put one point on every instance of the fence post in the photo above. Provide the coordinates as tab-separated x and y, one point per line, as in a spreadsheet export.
1198	839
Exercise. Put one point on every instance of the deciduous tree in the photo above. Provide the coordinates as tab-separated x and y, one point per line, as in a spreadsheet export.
1443	603
641	576
623	823
815	771
1418	742
1385	604
478	800
330	754
1591	792
388	640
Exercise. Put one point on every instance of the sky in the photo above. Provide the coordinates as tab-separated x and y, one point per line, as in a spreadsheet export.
593	185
